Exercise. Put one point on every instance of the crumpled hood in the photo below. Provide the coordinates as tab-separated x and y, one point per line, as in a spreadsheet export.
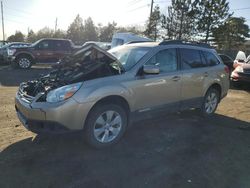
94	47
90	62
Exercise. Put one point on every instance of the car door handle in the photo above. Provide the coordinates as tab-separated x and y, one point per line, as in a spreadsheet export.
49	53
176	78
205	74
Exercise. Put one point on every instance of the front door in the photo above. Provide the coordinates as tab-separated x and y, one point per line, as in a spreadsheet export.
159	91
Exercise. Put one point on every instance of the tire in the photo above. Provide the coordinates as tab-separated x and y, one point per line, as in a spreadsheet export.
210	102
105	125
24	62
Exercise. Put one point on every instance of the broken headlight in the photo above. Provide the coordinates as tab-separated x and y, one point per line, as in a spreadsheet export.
63	93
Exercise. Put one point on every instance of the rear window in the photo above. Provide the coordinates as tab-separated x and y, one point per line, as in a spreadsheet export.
191	58
211	58
62	45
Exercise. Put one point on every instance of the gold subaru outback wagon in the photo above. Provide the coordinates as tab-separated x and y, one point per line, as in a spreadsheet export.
100	92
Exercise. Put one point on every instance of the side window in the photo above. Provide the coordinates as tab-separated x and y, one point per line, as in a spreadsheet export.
166	60
61	45
44	45
191	59
58	45
211	58
66	45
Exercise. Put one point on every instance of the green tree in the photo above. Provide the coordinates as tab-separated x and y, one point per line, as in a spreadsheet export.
106	32
45	33
89	30
76	30
179	21
130	29
210	14
17	37
231	34
154	24
59	34
31	37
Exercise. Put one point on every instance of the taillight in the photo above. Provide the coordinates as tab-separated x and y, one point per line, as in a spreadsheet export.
226	69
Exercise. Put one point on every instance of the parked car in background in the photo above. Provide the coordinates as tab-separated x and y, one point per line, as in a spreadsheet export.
241	73
123	38
227	61
104	45
43	51
6	51
100	92
2	43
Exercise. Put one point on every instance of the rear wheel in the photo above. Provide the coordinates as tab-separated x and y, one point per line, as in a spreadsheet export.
105	125
210	102
24	62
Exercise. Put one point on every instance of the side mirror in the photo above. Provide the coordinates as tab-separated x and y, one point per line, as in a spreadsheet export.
151	69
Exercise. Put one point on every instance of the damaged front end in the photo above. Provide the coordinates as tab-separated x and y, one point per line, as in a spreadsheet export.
88	63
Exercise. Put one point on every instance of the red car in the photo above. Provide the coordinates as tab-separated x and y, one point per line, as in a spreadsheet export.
241	72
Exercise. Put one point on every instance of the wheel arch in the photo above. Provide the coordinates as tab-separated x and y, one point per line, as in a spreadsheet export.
25	54
216	86
111	99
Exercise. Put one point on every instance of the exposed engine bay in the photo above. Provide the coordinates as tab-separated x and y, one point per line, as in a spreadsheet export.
88	63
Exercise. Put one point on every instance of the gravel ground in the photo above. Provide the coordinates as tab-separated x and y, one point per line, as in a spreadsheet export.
178	150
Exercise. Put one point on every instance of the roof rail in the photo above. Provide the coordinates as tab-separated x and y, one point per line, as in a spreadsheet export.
138	41
183	42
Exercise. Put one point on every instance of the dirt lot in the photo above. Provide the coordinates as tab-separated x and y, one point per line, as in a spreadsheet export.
179	150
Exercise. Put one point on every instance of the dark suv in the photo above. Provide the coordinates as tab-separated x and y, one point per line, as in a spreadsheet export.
42	51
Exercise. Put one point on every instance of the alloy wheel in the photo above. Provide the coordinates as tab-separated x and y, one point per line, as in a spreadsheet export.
24	63
107	126
211	102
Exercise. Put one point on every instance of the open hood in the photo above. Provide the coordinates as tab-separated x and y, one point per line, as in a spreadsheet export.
90	62
91	51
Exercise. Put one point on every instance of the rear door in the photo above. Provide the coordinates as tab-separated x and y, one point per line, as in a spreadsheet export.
44	52
194	75
159	91
61	49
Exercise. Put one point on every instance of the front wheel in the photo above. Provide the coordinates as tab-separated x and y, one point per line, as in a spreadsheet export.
105	125
210	102
24	62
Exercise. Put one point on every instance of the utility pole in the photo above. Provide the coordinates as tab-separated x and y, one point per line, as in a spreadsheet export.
2	20
55	25
151	9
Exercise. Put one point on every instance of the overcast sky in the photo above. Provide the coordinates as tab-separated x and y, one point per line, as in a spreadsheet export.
36	14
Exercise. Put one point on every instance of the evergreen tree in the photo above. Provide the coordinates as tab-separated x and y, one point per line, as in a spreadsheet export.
179	21
154	24
17	37
209	14
89	30
106	32
231	34
45	32
31	37
75	30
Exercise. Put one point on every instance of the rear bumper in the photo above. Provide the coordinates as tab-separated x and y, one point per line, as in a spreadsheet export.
242	77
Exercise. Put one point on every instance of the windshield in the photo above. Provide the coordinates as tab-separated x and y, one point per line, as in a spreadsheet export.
35	43
129	56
